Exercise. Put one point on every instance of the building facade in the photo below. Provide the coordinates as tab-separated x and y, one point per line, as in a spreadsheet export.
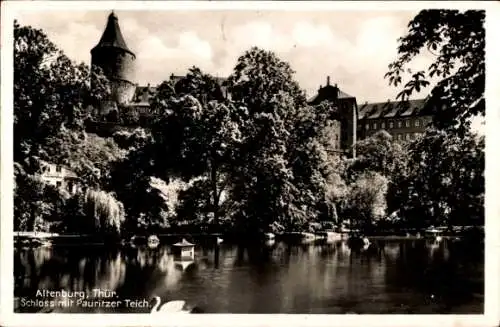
405	121
60	177
347	111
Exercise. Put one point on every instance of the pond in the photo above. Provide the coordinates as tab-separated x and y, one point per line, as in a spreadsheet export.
417	276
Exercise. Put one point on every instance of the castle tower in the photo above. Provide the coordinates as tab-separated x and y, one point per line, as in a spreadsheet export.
117	61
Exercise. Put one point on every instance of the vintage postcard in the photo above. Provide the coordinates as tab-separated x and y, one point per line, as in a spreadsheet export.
249	163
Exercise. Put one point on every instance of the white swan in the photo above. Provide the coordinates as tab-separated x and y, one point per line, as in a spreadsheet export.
169	307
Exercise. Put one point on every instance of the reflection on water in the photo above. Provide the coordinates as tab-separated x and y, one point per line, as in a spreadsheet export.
386	277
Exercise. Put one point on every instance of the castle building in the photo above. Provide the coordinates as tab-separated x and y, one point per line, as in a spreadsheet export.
130	103
347	113
127	101
405	121
117	61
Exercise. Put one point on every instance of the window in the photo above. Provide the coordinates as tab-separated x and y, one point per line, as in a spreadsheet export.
391	124
400	124
400	136
336	137
58	183
367	126
407	123
58	168
382	125
417	123
407	136
374	125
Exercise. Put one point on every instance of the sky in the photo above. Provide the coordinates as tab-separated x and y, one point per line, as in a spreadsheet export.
354	48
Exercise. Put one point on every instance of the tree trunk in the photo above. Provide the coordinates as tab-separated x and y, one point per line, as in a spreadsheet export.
215	194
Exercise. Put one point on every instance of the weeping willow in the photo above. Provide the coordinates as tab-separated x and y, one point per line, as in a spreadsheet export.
107	212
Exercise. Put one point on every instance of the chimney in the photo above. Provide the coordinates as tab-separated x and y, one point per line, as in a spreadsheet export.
328	81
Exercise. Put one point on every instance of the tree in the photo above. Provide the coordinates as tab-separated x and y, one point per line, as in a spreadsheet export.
53	97
259	76
199	140
34	202
366	200
280	179
263	181
130	140
195	206
444	179
335	192
88	155
50	91
445	183
94	212
203	87
131	181
378	153
261	167
190	139
457	41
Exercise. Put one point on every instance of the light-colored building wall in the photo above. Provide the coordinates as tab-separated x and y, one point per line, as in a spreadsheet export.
405	121
59	176
401	128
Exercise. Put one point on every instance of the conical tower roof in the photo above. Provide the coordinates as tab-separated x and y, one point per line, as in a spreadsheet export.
112	36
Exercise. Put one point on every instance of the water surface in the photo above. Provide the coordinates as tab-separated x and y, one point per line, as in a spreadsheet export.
389	277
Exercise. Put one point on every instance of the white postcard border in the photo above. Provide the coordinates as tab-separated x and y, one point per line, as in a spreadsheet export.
492	256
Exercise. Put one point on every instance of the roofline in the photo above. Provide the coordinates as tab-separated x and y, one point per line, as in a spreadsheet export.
392	101
397	117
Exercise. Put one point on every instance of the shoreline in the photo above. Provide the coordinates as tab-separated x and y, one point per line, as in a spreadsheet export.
37	239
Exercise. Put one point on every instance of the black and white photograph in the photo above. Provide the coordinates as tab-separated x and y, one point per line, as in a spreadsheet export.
172	159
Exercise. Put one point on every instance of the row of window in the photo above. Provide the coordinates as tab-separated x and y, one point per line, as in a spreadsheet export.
390	124
51	168
407	136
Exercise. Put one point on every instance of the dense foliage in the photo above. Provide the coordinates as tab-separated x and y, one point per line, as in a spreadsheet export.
260	160
53	97
457	39
36	204
443	182
50	91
